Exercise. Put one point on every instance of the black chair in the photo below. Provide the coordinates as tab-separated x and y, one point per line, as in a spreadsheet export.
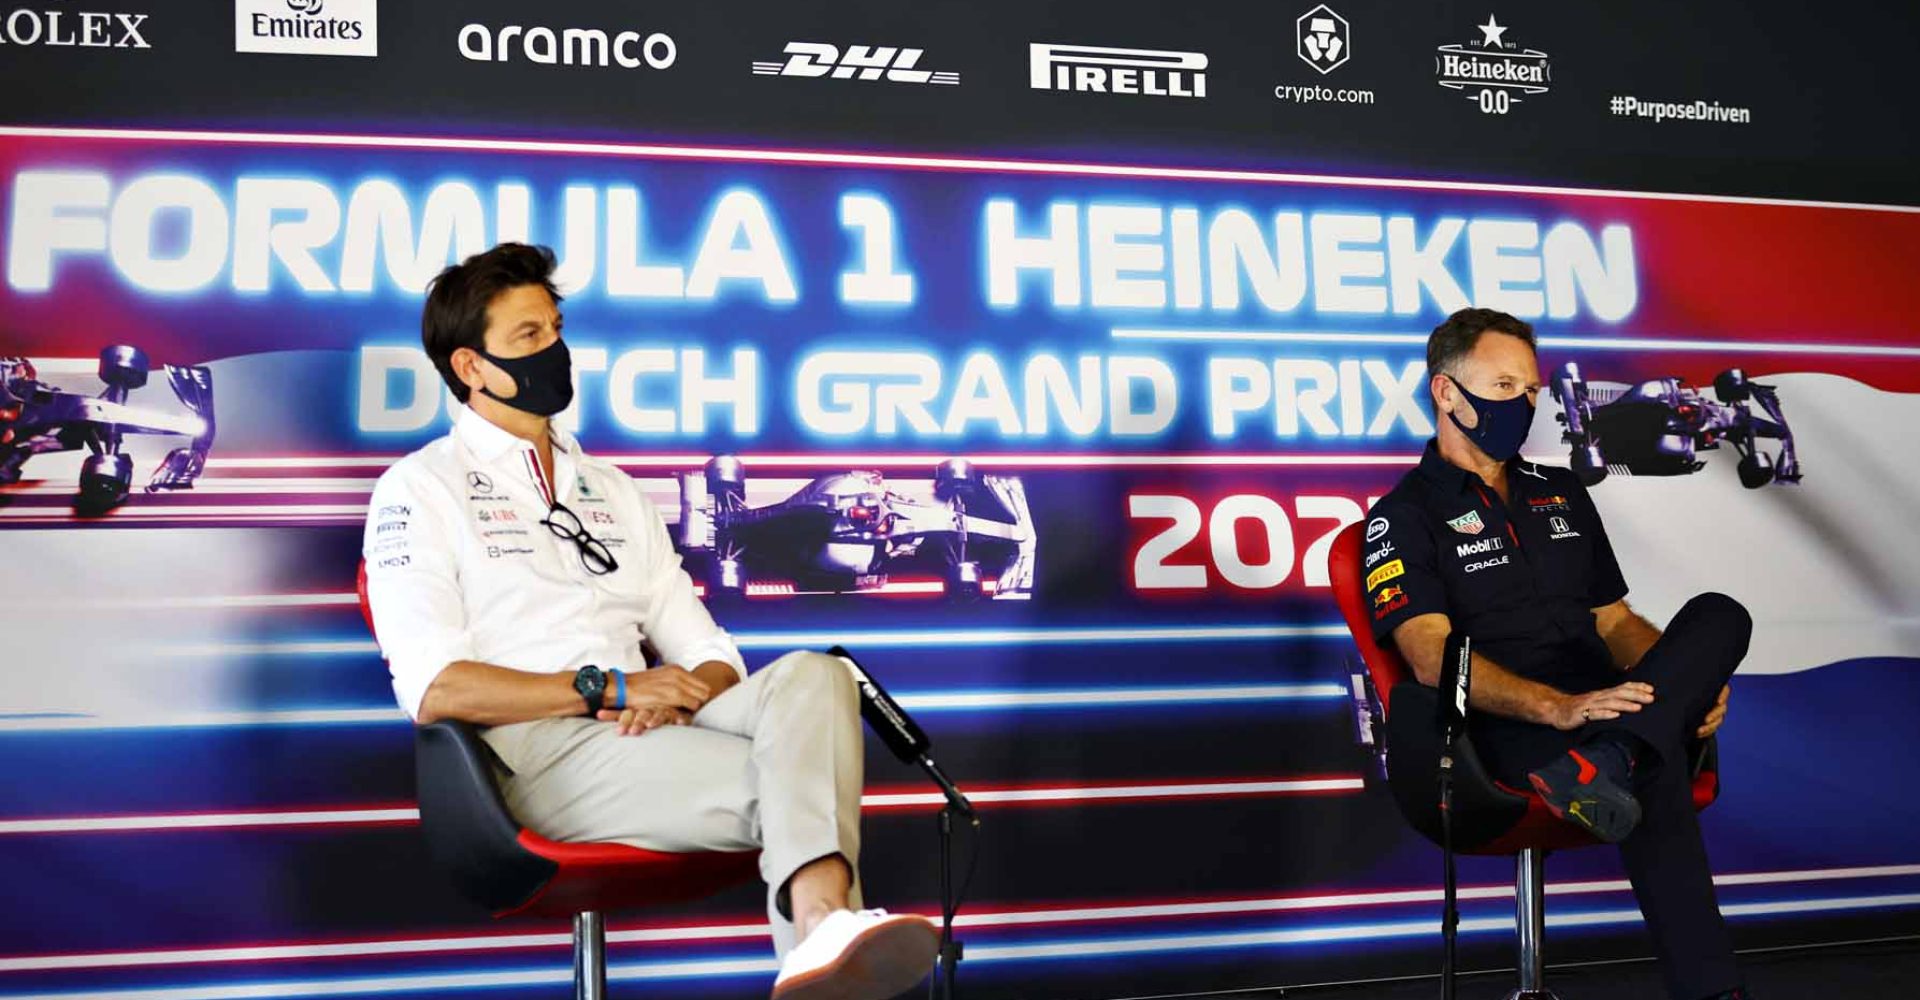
1488	817
512	871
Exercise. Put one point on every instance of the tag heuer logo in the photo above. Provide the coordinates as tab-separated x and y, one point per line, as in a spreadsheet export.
858	62
1468	523
1491	71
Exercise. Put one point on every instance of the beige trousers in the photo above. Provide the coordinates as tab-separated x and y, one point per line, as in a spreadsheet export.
774	763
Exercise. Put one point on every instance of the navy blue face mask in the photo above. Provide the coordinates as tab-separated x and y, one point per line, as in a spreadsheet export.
1503	423
544	380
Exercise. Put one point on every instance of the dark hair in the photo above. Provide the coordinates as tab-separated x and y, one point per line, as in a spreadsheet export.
455	315
1455	338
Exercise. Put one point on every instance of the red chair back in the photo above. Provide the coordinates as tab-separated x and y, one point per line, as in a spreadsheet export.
1344	571
366	610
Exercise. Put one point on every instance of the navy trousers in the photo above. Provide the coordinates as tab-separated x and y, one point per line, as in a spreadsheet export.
1665	858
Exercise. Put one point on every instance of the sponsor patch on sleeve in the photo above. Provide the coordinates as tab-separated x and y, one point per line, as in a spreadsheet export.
1385	573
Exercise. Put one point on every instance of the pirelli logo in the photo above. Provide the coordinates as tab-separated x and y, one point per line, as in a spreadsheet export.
1102	70
1384	573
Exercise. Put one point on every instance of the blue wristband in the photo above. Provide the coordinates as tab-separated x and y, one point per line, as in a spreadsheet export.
619	688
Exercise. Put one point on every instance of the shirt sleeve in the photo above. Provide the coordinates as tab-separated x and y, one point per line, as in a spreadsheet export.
1605	583
674	619
413	586
1402	568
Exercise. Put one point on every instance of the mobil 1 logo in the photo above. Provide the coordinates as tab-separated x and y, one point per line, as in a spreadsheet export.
1492	72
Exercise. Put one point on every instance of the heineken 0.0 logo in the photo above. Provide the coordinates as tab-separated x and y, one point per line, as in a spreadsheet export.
1492	72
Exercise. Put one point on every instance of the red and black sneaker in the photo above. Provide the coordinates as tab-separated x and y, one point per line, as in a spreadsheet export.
1585	795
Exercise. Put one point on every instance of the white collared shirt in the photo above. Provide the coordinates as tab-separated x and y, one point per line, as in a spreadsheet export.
459	566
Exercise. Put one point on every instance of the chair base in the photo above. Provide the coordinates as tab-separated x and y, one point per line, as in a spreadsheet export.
1530	920
589	956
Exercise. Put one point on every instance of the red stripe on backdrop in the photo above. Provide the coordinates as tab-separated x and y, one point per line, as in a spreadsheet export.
1768	272
883	798
979	917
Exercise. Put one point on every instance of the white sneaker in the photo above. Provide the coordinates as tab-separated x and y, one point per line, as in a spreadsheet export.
864	955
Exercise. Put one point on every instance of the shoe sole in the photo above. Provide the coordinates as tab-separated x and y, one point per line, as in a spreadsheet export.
1603	810
880	963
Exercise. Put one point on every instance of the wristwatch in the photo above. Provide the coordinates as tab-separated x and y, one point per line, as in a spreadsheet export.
591	682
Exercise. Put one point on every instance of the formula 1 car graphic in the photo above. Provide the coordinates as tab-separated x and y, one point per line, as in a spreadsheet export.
36	418
848	532
1657	427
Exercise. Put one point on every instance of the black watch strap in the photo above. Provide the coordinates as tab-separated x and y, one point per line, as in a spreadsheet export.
591	682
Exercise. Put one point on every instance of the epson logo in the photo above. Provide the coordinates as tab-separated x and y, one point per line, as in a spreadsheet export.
67	28
858	62
568	46
1091	69
1484	545
307	27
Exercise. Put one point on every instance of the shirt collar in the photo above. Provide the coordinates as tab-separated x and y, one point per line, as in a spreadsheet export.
489	441
1438	471
1452	478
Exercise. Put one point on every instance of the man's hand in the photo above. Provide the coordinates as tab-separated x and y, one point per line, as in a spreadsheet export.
666	695
1715	715
634	721
1576	710
667	686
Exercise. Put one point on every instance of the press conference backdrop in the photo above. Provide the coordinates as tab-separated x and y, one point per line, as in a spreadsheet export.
1161	273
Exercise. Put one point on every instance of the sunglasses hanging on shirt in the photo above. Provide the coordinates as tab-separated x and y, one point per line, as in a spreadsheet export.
594	554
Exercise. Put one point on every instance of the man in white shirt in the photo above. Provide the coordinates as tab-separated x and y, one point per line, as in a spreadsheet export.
512	580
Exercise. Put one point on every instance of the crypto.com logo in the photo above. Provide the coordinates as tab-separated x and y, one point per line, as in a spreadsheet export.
1323	39
858	62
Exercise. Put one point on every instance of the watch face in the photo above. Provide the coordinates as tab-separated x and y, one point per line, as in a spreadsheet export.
591	682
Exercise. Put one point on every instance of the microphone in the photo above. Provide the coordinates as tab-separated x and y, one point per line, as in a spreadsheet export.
898	730
1456	673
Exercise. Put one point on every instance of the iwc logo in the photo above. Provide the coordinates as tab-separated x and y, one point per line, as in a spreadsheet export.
1492	72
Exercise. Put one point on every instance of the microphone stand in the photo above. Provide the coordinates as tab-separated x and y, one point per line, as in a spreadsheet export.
1449	910
951	951
1455	677
910	744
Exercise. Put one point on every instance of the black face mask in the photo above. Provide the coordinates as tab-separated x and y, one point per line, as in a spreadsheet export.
1503	424
544	379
